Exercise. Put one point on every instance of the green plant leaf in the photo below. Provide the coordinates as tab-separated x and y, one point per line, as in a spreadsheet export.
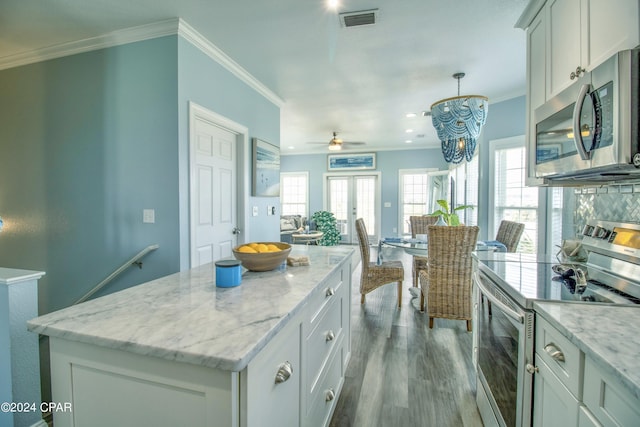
463	207
438	213
454	220
444	204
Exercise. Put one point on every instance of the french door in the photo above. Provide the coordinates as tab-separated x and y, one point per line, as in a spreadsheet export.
350	197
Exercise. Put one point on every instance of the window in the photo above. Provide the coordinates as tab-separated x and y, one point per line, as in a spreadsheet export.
414	196
294	193
511	199
464	183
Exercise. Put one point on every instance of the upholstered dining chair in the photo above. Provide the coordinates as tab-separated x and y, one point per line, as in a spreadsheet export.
509	234
373	275
446	282
419	226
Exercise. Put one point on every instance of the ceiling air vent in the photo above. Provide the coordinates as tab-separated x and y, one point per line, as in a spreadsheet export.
355	19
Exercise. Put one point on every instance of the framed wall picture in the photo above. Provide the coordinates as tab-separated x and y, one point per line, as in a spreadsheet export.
356	161
266	169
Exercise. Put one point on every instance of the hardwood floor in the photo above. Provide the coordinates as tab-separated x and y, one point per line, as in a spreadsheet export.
402	373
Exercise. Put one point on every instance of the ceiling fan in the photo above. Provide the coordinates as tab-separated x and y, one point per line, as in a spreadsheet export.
336	144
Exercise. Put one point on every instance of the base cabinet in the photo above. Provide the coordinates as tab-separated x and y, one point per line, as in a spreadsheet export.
571	389
295	380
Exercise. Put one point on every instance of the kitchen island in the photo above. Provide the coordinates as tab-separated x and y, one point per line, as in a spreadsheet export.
180	351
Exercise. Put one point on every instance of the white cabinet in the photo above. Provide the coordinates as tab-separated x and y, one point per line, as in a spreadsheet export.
557	382
584	33
294	380
571	389
606	398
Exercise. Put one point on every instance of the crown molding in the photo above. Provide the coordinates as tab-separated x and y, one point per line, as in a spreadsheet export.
173	26
196	39
114	38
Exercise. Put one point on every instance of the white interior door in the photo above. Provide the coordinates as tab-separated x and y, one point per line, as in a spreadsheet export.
352	197
213	192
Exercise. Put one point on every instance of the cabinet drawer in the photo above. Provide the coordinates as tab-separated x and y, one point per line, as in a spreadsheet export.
323	400
607	399
264	395
322	341
324	295
552	347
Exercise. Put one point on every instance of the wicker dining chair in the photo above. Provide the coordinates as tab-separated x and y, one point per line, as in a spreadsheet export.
446	283
373	275
419	225
509	234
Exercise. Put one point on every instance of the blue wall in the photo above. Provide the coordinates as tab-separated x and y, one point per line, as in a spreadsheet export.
388	163
90	140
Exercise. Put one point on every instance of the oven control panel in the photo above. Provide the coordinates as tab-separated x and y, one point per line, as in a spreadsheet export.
613	236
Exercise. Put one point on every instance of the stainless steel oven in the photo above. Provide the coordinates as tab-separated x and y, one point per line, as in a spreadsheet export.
506	287
505	347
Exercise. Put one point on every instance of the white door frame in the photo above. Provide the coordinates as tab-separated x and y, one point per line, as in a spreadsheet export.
242	167
377	174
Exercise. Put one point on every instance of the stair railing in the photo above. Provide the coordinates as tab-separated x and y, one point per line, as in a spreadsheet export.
133	261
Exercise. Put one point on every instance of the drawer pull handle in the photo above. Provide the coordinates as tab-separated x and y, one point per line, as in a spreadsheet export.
284	372
554	352
330	292
330	336
330	395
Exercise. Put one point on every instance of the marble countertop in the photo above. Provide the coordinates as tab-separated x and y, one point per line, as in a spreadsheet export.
605	333
185	317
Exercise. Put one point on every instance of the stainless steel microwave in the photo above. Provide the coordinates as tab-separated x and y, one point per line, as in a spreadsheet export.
589	132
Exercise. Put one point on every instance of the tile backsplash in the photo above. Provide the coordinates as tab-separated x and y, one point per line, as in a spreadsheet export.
617	202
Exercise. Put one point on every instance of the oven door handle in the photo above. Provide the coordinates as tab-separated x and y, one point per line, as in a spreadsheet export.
502	306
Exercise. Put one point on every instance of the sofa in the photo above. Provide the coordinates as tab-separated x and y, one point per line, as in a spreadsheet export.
291	224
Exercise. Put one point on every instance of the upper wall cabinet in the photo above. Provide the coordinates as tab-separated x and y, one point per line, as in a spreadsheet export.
584	33
566	38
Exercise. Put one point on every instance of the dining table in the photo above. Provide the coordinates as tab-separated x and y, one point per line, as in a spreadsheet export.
420	247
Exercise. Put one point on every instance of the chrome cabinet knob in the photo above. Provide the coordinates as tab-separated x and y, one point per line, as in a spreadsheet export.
577	73
330	292
284	372
554	352
330	395
531	369
330	336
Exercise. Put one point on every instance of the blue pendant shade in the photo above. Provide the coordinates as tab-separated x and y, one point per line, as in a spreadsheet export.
458	122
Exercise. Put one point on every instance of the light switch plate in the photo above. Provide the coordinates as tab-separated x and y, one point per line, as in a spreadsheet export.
148	216
387	204
255	211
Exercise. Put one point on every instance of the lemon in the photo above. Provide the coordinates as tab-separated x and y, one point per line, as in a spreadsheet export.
273	248
262	248
254	245
247	249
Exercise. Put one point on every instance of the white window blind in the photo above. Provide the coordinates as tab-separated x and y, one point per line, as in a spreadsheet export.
414	194
294	193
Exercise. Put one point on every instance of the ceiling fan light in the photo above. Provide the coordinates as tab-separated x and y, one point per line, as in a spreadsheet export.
335	146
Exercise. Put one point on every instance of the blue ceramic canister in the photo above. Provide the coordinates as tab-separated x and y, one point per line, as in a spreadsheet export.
228	273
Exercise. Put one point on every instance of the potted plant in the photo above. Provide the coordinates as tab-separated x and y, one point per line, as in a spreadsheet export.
448	216
326	222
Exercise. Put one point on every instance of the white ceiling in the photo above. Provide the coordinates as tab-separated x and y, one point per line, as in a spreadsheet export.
358	81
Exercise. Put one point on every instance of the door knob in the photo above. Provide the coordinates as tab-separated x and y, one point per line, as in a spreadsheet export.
235	230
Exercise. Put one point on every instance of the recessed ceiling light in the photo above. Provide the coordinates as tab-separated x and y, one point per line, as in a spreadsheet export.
333	4
408	141
291	147
409	130
410	115
420	135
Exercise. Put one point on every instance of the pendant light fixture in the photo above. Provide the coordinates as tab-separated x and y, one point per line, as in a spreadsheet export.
458	122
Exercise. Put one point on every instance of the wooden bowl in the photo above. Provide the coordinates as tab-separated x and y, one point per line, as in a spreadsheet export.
263	261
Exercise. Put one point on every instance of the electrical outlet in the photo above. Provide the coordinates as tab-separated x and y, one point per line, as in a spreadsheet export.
271	210
387	204
255	211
